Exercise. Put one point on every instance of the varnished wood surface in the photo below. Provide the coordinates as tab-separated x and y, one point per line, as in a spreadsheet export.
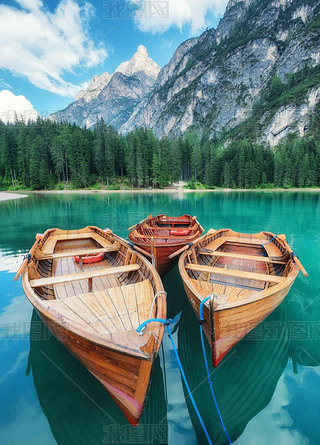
217	253
83	275
248	275
157	230
81	252
235	273
95	309
111	310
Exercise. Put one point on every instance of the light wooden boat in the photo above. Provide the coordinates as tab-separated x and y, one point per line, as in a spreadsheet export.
247	276
160	236
76	409
94	309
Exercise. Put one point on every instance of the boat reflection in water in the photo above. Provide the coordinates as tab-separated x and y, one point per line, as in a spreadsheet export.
305	326
245	380
78	409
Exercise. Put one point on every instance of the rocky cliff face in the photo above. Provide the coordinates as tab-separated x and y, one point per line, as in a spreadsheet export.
222	79
94	88
113	97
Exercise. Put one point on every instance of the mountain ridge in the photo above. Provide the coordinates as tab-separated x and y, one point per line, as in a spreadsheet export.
112	97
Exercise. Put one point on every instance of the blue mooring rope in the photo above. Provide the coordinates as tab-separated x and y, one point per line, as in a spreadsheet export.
151	320
166	323
275	236
202	321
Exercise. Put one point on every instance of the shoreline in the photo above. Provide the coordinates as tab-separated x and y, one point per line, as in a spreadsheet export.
7	195
4	196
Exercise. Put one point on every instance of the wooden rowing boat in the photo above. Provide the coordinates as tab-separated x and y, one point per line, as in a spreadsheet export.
160	236
94	309
247	277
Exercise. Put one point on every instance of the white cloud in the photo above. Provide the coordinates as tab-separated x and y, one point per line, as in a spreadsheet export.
158	16
6	85
15	107
15	318
275	419
44	46
166	43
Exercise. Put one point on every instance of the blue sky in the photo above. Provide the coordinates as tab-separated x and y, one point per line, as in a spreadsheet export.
50	48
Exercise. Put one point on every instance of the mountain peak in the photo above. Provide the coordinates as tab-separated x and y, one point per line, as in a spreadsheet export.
140	61
113	97
142	50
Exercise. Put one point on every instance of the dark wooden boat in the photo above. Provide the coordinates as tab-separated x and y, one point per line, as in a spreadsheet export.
247	277
94	309
160	236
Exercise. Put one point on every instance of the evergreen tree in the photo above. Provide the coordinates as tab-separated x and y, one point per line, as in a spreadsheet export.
155	170
40	154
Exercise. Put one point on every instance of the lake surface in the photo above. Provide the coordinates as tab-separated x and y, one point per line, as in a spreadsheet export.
267	387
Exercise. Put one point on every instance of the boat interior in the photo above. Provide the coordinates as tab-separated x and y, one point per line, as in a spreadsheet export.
236	266
109	296
171	222
167	229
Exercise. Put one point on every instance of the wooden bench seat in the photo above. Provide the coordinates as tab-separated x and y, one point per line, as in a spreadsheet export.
243	240
240	256
192	229
59	279
215	244
139	235
272	250
235	273
112	248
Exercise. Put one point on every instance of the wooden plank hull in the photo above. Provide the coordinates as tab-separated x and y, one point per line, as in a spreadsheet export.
162	263
247	277
94	311
126	378
225	328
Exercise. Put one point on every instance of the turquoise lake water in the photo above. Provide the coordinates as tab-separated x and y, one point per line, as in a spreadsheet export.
267	387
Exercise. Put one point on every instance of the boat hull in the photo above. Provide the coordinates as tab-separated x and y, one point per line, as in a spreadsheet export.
225	328
162	263
123	376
